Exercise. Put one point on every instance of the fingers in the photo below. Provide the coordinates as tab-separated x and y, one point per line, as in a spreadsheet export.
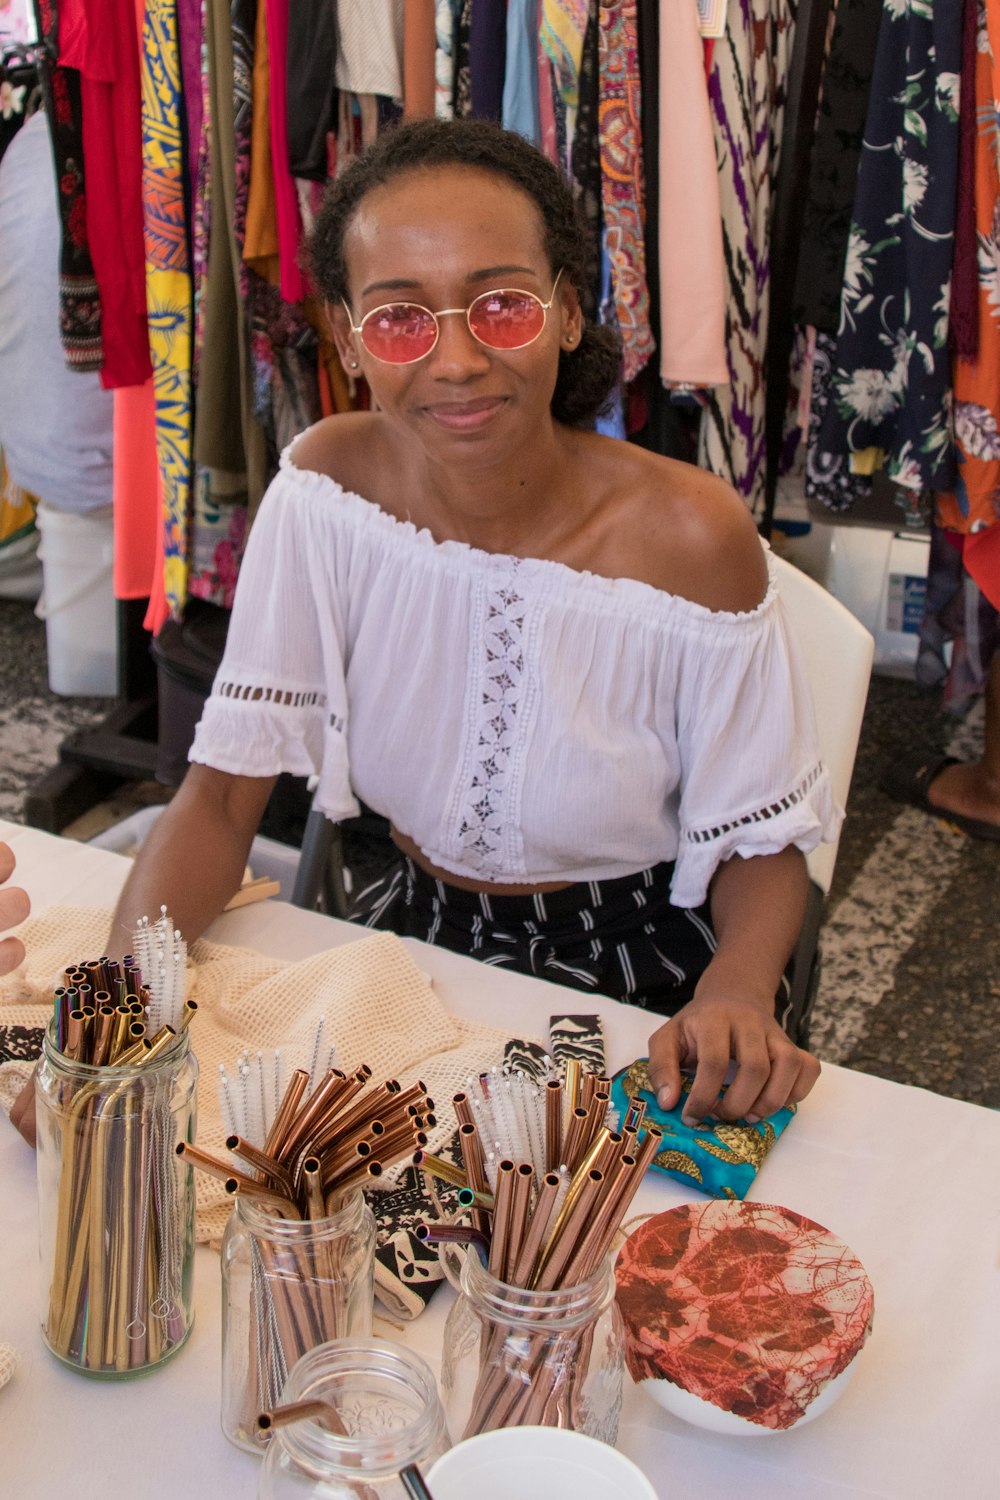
768	1070
22	1114
11	954
6	861
792	1076
14	906
667	1052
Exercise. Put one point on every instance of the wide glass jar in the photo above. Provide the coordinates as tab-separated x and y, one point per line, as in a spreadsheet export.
116	1208
515	1358
385	1402
288	1285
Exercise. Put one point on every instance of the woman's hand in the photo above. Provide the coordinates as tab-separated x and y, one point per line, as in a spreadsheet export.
715	1030
757	909
14	908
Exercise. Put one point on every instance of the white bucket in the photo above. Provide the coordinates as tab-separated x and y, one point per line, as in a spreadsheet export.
78	600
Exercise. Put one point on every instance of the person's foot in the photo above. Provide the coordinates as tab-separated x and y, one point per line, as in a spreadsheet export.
967	790
963	793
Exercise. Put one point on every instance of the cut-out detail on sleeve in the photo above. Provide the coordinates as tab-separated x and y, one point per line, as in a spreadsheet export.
285	698
763	814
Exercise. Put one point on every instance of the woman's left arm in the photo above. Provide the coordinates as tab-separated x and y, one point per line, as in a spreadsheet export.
757	910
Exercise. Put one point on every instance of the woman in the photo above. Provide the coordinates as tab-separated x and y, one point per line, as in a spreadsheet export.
552	660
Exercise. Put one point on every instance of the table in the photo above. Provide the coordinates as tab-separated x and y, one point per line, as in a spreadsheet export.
909	1179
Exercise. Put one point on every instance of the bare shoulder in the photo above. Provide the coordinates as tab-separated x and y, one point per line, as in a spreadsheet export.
687	532
345	447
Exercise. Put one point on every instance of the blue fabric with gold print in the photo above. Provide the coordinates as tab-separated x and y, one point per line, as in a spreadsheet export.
721	1159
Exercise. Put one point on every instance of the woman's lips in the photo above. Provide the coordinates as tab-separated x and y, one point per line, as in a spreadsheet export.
466	416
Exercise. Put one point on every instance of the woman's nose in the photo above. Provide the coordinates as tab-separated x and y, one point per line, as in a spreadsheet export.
457	355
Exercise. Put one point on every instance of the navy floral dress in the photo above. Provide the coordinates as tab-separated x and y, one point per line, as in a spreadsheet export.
887	384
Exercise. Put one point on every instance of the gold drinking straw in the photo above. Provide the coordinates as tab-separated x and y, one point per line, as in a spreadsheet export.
102	1036
562	1242
573	1074
188	1013
314	1107
463	1109
553	1124
438	1167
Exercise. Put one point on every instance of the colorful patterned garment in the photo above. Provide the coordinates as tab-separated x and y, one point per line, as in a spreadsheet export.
973	507
621	179
561	32
168	284
79	299
444	61
891	374
746	91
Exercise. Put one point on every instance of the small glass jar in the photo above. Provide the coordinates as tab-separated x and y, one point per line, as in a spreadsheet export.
288	1285
116	1208
516	1358
386	1401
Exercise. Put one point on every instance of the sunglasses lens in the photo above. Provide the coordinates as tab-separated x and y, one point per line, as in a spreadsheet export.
506	320
400	333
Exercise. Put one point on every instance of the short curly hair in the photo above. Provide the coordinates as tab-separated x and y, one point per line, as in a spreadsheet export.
589	373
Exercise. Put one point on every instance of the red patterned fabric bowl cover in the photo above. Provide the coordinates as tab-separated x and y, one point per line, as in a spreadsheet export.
747	1305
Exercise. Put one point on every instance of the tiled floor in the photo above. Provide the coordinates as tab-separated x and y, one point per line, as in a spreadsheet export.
911	986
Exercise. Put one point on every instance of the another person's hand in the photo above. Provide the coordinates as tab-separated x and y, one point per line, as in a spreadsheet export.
14	908
709	1034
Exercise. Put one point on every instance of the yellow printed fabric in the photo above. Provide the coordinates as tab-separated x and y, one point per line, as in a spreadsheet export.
168	284
17	509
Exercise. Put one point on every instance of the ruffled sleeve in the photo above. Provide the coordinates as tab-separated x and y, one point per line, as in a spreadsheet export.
279	700
752	777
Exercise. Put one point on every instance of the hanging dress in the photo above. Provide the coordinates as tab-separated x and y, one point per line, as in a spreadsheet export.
747	93
888	406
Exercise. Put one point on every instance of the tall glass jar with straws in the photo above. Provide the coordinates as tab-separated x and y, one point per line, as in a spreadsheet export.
514	1357
288	1284
116	1205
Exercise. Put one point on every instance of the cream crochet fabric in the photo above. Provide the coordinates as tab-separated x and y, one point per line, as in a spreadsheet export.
379	1010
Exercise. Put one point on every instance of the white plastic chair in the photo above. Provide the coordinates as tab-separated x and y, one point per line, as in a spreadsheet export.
838	651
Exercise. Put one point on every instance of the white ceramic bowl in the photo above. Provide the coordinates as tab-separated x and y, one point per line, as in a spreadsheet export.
701	1413
536	1463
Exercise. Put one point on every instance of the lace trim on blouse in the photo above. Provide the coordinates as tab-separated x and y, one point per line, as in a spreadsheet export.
488	789
759	814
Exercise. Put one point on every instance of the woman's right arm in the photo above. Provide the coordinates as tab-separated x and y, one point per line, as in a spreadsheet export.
193	860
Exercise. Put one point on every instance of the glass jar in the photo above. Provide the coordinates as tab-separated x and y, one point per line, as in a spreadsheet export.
116	1208
386	1401
288	1285
516	1358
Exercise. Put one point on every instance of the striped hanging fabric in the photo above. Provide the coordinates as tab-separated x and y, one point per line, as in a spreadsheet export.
168	284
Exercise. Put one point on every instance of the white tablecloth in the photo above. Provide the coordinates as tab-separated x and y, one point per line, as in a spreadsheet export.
909	1179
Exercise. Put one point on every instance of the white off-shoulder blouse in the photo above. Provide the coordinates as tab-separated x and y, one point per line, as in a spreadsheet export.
521	721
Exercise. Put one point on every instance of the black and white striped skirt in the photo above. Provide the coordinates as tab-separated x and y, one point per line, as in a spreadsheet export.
620	938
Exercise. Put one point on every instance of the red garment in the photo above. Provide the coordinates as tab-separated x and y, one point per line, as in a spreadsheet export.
98	38
294	286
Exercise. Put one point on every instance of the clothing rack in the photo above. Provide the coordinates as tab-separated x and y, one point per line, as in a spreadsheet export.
123	746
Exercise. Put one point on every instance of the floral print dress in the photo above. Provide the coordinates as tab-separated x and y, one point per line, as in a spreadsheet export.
887	403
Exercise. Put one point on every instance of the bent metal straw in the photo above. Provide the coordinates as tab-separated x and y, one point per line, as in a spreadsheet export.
110	1108
542	1230
317	1146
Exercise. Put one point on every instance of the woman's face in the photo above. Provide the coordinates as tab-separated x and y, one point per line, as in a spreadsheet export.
440	238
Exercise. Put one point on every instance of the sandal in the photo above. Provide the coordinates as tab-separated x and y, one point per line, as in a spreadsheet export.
908	780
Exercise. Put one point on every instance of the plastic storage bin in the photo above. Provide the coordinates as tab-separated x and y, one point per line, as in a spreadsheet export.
78	600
